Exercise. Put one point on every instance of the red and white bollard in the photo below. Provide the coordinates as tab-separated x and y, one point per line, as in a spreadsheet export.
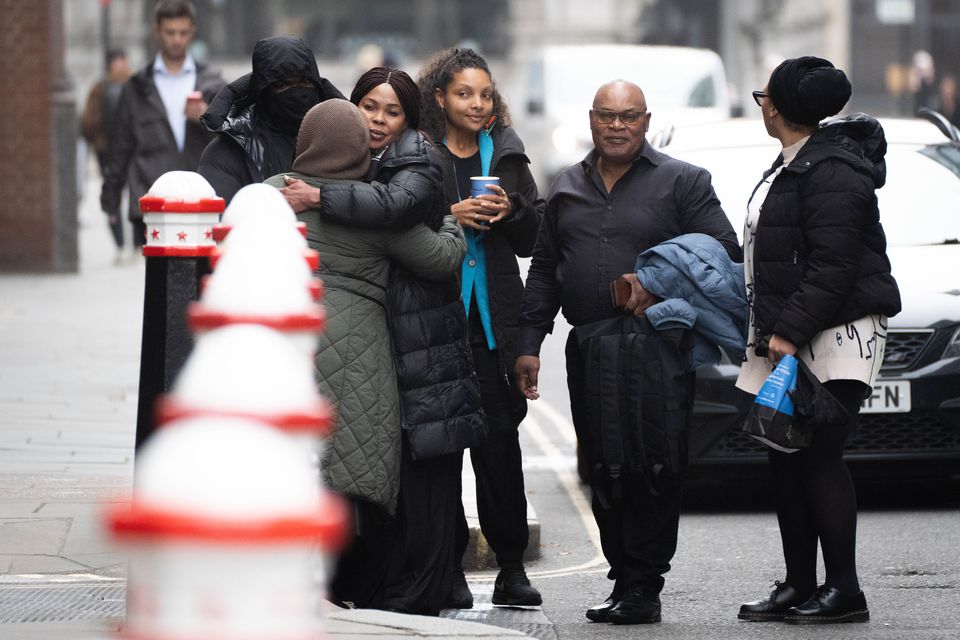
223	531
255	200
250	371
180	211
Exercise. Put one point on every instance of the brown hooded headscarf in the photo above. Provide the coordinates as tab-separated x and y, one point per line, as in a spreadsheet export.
333	142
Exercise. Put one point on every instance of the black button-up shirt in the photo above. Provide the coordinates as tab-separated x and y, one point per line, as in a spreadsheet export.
589	237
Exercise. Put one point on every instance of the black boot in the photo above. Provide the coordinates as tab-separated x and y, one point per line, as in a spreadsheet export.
599	612
512	588
639	605
460	596
772	608
828	606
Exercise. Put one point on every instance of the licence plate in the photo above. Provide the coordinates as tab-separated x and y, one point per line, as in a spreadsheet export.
889	396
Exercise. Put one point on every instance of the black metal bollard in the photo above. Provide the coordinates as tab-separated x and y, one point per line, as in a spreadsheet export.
179	211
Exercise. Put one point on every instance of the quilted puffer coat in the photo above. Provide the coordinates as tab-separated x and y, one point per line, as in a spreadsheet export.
820	259
354	360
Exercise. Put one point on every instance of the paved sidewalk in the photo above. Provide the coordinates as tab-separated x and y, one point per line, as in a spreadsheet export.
69	368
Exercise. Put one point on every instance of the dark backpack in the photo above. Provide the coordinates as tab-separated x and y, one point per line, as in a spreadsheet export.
638	396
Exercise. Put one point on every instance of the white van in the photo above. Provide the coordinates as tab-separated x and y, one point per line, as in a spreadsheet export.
682	85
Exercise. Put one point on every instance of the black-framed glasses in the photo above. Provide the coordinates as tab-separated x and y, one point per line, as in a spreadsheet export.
626	117
758	96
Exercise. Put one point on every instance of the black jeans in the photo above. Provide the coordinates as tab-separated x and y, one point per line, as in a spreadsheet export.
638	531
816	500
498	465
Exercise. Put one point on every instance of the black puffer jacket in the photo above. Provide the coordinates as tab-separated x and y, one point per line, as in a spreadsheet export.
820	255
439	391
246	149
513	236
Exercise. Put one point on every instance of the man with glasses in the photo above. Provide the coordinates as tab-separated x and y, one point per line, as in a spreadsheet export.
622	199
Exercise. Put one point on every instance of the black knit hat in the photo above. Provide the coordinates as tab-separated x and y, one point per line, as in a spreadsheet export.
334	142
806	90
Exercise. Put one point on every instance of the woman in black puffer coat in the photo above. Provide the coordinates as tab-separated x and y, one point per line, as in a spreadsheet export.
406	563
820	288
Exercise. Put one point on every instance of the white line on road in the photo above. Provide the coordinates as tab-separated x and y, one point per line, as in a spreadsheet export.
571	485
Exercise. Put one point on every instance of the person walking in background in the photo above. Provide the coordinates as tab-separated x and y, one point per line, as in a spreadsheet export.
819	285
355	359
950	99
158	118
922	77
465	115
622	199
407	563
257	116
98	123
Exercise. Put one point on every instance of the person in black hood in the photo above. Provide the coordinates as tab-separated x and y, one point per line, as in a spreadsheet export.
819	285
257	116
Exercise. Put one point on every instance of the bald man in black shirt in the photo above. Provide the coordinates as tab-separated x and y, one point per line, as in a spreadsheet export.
622	199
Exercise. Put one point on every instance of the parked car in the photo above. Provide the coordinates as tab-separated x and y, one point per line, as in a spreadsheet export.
911	422
681	84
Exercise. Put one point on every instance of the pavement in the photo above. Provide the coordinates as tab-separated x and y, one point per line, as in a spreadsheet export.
69	368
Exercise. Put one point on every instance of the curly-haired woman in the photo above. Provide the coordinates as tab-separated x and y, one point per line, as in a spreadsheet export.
467	118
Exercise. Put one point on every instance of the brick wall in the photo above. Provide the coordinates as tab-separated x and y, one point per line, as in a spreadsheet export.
37	225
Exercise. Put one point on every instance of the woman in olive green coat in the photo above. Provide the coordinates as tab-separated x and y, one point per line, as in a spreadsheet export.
354	360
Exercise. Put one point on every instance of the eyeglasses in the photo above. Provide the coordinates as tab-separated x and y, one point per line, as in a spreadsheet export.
626	117
758	96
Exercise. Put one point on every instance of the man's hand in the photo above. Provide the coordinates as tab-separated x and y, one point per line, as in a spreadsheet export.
528	369
300	196
195	108
640	298
780	347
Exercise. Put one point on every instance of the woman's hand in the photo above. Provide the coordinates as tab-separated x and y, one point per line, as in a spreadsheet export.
299	195
480	212
780	347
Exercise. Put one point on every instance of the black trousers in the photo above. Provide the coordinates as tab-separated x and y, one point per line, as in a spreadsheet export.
638	529
816	501
498	466
116	226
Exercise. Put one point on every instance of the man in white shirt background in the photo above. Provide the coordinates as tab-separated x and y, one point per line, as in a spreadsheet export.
158	126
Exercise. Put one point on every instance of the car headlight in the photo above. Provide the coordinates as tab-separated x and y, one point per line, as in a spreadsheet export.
953	346
564	139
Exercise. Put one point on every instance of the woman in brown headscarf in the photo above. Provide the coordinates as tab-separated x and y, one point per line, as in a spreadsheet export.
819	286
354	360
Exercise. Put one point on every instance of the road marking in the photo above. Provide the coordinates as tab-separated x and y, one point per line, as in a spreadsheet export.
571	485
563	426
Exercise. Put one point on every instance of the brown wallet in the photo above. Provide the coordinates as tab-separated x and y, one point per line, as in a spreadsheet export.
620	292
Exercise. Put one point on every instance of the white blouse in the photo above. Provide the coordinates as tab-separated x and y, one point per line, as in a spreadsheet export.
851	351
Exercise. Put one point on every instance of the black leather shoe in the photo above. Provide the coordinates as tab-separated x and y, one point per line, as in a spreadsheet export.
772	608
512	588
638	606
599	612
460	596
828	606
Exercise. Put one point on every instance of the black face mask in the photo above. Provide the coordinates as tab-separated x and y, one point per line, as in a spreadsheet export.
285	110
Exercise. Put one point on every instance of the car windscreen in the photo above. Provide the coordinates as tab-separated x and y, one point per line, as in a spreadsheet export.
918	203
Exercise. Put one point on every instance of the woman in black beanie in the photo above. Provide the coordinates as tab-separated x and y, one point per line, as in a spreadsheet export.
819	286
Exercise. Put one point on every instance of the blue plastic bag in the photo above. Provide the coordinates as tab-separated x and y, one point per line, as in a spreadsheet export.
771	418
